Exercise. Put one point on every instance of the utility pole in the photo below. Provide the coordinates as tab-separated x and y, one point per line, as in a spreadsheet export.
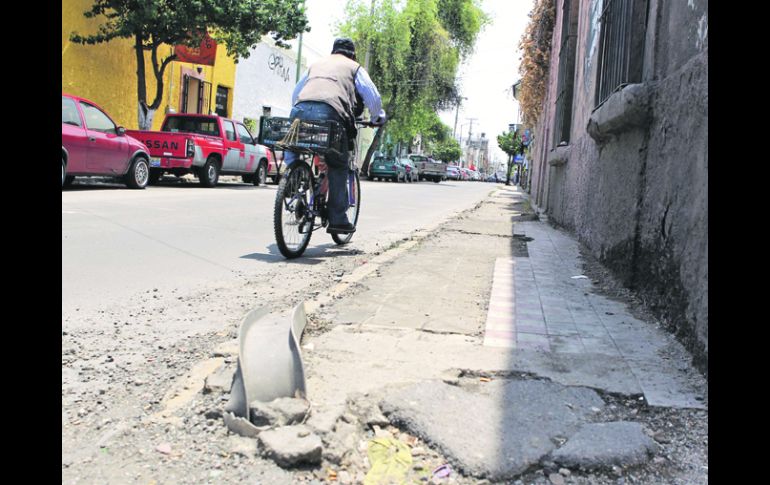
299	58
470	134
457	112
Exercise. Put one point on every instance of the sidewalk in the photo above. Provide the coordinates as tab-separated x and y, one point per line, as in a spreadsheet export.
493	295
543	301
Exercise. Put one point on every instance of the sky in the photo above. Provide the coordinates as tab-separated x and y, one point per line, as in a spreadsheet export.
486	76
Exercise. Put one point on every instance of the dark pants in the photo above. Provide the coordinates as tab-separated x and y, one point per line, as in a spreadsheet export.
338	169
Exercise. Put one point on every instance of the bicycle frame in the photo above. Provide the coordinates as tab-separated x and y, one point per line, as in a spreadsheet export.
301	202
320	189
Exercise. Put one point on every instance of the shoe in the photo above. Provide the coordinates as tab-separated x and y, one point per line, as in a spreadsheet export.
341	228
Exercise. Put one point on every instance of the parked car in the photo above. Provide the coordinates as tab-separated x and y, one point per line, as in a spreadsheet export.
412	172
453	172
206	146
93	144
464	173
387	168
428	168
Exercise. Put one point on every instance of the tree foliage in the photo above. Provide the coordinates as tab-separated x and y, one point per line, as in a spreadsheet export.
535	45
239	24
415	48
437	140
448	150
510	143
463	19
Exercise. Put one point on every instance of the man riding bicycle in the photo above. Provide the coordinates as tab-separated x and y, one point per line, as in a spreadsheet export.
336	88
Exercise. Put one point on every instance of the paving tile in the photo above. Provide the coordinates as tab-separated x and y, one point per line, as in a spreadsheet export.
563	329
531	337
532	341
586	318
600	345
593	331
558	317
530	320
534	314
499	342
536	329
568	345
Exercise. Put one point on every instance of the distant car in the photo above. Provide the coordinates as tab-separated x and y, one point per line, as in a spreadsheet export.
429	169
387	168
412	173
453	172
93	144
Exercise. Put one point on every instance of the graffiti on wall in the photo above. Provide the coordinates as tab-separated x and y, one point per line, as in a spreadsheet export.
595	12
276	64
701	40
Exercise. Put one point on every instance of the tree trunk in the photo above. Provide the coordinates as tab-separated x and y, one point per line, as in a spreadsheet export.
159	71
508	172
375	144
146	115
370	151
141	87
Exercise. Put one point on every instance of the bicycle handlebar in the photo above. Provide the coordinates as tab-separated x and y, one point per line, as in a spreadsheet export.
369	124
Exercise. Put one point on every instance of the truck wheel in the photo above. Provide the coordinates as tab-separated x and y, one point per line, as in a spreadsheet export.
138	174
155	176
260	177
210	173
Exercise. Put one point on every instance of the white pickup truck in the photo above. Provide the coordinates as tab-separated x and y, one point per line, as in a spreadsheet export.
428	168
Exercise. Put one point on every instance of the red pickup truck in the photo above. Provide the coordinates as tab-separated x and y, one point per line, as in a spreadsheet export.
206	146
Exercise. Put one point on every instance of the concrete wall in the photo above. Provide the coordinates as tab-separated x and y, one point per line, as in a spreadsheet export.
635	193
266	78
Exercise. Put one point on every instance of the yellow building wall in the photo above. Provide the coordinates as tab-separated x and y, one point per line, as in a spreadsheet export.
106	73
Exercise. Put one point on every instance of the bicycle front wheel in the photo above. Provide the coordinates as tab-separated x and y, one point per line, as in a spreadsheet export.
354	207
292	216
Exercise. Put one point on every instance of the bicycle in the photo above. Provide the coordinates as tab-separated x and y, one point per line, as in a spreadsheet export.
302	193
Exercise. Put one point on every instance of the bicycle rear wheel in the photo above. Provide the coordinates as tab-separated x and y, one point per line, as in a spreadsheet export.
354	199
292	217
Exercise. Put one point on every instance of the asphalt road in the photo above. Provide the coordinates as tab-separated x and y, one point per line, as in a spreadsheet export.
118	242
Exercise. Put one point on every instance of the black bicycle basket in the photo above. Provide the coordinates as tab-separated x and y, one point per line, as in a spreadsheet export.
303	136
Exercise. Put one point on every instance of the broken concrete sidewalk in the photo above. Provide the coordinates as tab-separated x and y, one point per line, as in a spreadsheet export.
497	433
424	314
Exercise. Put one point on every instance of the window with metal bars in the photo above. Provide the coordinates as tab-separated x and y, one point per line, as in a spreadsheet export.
621	46
566	80
196	95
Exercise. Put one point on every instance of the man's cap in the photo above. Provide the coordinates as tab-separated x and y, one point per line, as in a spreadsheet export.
345	46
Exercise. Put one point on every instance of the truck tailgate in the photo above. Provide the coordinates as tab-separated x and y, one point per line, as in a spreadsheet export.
162	144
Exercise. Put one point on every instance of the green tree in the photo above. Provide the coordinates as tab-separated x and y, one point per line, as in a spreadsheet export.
448	150
510	143
414	49
240	24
